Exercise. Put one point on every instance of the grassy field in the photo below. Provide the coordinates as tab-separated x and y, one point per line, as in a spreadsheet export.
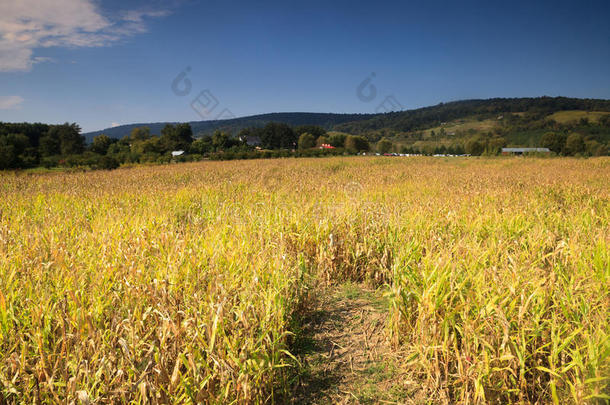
462	125
184	283
564	117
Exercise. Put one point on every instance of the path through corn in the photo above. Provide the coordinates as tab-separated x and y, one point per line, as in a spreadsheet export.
345	351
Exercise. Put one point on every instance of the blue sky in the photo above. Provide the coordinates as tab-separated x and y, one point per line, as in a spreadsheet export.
102	63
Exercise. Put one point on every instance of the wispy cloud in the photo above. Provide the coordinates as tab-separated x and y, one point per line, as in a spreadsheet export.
28	25
10	102
114	125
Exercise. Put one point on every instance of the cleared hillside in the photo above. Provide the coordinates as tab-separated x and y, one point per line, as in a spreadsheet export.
564	117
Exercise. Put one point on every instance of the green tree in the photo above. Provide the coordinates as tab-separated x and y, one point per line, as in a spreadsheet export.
384	146
12	150
474	147
139	134
315	130
49	145
153	146
62	139
278	136
322	140
495	145
591	146
185	133
118	148
70	140
554	141
356	144
202	145
100	144
220	141
107	163
8	155
306	141
602	150
575	144
177	137
337	140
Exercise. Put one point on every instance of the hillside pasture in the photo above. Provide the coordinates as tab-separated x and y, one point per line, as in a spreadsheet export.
564	117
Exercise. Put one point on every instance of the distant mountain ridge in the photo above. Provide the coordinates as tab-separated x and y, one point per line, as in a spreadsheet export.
400	121
234	125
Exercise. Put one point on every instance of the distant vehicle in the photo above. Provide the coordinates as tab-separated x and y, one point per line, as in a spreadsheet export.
521	151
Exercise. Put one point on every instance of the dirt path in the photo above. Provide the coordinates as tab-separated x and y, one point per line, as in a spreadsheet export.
345	352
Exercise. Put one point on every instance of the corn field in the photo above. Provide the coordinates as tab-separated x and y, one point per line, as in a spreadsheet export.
184	283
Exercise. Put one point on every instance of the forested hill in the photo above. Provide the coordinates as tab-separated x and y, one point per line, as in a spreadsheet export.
233	126
423	118
388	123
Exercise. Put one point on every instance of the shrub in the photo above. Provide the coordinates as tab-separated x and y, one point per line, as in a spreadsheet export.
107	163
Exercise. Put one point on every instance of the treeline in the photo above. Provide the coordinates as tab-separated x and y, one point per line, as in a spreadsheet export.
561	144
573	144
484	144
271	141
31	145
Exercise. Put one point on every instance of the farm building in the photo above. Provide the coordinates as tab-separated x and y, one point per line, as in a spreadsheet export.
253	141
250	140
521	151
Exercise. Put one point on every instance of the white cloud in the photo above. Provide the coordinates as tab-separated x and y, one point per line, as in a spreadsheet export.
10	102
114	125
40	59
27	25
137	16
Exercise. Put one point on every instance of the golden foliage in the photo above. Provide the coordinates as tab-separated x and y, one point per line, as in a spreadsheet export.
181	283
